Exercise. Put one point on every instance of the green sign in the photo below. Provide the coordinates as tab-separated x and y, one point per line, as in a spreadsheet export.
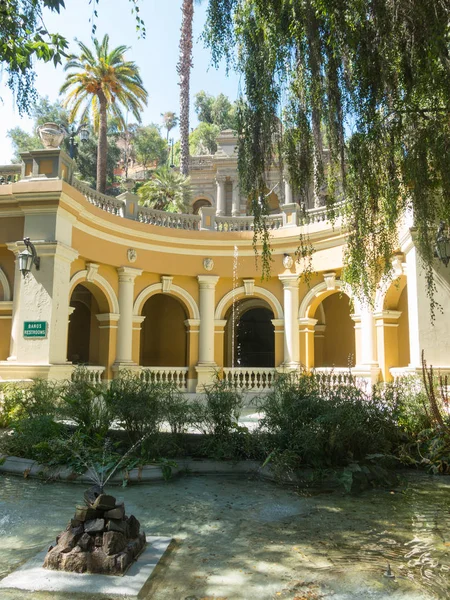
35	329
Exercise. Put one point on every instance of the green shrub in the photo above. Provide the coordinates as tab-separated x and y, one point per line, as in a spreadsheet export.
220	410
175	408
325	427
82	401
135	405
33	438
28	400
408	401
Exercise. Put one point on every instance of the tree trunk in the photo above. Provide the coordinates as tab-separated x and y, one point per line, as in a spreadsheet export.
102	145
184	71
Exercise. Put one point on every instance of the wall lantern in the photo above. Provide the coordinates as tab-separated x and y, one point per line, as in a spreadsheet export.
28	257
442	245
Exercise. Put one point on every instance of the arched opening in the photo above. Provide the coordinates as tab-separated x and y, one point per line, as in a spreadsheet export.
85	344
393	328
198	204
163	332
334	336
249	335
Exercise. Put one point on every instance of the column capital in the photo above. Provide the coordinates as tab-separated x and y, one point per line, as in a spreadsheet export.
387	316
112	317
220	178
128	274
289	281
207	281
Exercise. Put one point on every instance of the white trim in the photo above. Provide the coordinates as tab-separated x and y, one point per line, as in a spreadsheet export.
175	290
258	292
316	291
5	285
103	283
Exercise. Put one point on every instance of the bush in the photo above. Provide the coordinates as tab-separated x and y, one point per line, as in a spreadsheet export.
33	438
135	405
409	404
24	401
325	427
219	413
82	402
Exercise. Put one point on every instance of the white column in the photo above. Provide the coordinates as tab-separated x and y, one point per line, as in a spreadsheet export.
207	286
291	332
124	352
236	200
368	366
220	206
287	190
413	291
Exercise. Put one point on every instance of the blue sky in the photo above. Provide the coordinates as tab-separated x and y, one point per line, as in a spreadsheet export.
156	55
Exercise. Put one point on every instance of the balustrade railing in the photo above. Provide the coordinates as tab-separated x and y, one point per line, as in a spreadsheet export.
91	373
112	205
176	375
246	223
321	214
250	379
161	218
334	376
9	174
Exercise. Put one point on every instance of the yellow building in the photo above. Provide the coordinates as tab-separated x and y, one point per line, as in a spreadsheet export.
122	286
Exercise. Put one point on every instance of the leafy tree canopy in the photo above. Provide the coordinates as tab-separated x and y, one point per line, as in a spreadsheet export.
168	189
374	75
203	140
149	146
24	38
215	110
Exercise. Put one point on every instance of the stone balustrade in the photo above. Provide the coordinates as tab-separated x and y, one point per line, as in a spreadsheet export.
176	375
112	205
94	374
250	379
161	218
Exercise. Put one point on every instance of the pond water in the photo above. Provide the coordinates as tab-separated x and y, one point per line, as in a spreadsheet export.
242	538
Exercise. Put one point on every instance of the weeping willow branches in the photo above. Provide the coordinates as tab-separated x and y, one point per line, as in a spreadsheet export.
365	116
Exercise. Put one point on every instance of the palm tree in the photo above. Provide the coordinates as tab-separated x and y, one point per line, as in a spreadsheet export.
170	121
100	82
184	71
167	190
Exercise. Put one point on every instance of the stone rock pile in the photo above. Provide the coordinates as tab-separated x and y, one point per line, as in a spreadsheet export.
99	539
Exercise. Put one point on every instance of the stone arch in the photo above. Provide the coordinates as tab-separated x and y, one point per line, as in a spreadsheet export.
156	288
97	281
200	201
389	292
5	285
239	292
317	294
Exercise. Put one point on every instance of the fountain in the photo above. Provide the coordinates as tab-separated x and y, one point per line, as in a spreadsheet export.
233	307
99	539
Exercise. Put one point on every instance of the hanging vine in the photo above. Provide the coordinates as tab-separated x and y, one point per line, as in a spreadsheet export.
366	116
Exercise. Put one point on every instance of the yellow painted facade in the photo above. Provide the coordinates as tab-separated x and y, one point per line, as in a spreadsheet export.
185	299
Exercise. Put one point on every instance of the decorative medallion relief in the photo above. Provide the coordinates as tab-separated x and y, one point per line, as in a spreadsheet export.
132	255
208	264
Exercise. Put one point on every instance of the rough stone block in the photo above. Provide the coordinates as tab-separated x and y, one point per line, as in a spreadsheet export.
116	513
94	526
113	542
115	525
91	495
68	540
76	563
53	559
84	513
101	563
133	527
86	542
104	502
123	561
98	540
